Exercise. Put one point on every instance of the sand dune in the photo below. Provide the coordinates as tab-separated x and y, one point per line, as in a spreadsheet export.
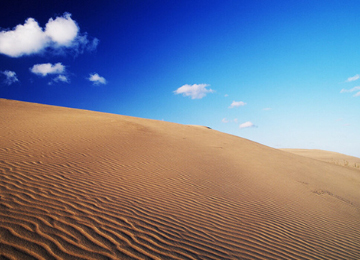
326	156
78	184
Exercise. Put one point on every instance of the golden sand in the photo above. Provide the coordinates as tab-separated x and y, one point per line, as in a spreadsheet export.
77	184
326	156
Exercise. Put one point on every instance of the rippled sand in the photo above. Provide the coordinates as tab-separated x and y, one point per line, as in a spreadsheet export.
77	184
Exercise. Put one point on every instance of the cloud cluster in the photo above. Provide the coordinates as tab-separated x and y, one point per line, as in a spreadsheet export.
195	91
29	38
237	104
96	79
357	94
10	77
53	69
47	68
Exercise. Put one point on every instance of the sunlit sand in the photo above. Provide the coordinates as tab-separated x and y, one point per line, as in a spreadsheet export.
326	156
77	184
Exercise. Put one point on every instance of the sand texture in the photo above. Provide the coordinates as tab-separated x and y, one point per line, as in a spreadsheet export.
77	184
327	156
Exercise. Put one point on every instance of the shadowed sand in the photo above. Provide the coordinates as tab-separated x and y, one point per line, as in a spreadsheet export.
78	184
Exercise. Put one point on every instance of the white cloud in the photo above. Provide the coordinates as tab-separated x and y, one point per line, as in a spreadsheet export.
237	104
10	77
83	43
47	68
96	79
61	78
267	108
247	124
226	95
352	90
356	77
195	91
23	40
62	30
224	120
30	38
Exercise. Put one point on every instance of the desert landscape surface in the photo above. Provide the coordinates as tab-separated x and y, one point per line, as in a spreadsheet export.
327	156
78	184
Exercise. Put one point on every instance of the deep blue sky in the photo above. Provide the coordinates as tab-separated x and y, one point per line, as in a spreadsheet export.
293	64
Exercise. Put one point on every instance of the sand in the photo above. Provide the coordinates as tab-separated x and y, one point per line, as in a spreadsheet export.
327	156
78	184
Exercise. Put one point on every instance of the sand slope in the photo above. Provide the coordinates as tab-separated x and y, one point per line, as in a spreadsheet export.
77	184
327	156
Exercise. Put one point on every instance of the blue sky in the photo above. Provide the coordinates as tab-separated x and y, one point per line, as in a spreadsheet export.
281	73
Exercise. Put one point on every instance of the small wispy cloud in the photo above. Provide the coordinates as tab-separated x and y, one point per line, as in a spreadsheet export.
225	120
237	104
61	78
47	68
352	90
10	77
356	77
59	33
247	124
195	91
267	109
96	79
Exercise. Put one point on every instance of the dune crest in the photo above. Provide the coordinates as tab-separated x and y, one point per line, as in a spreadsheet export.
77	184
